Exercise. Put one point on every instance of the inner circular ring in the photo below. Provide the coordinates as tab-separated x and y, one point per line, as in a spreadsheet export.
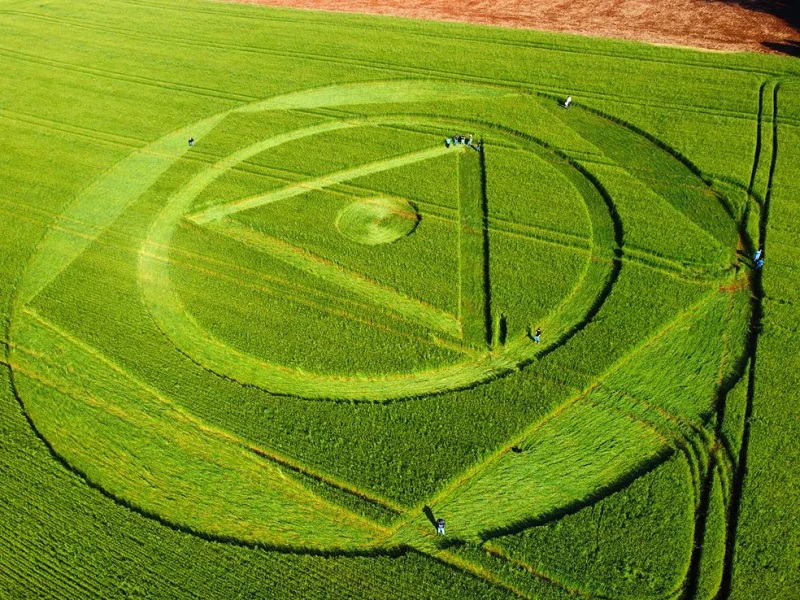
171	316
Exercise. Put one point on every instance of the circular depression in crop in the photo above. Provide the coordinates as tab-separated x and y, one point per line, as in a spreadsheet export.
447	332
97	412
94	412
374	221
480	335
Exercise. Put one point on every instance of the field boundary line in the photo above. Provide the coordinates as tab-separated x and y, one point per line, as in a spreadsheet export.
219	433
477	39
427	72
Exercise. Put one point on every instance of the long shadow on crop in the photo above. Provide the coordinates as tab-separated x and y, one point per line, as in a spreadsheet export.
487	285
692	579
741	464
572	507
429	513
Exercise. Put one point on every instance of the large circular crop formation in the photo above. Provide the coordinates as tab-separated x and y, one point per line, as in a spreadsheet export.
265	337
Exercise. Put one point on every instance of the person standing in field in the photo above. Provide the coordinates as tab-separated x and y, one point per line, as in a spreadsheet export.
537	337
191	142
759	253
440	526
568	101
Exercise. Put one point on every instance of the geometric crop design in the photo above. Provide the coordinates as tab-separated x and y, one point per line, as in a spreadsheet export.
253	306
470	330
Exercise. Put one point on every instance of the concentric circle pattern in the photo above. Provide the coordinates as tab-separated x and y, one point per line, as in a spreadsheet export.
377	220
359	265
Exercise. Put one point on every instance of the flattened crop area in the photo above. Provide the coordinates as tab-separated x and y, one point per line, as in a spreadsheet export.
297	295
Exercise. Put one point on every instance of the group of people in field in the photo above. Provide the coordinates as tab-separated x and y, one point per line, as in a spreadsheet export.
758	258
463	140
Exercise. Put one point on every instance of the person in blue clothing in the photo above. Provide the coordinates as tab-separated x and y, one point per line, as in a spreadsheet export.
440	526
191	142
537	337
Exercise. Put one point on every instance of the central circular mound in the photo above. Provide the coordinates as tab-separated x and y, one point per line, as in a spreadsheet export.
373	221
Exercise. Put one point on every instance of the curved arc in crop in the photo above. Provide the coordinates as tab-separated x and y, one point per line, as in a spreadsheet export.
90	215
164	304
520	348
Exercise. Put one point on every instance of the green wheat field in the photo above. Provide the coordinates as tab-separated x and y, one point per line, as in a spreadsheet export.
264	364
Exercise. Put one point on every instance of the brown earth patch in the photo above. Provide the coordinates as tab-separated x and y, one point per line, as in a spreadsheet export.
751	25
739	285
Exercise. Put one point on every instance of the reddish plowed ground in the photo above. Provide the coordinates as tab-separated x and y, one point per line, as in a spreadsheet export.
711	24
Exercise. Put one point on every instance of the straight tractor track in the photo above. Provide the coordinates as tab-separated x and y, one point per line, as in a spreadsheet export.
385	26
752	347
384	66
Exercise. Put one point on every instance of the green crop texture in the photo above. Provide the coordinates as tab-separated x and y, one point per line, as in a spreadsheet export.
392	280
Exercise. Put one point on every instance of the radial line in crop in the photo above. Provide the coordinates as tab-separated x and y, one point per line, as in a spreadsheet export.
224	210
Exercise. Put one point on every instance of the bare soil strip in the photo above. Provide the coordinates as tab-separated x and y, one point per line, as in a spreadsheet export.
709	24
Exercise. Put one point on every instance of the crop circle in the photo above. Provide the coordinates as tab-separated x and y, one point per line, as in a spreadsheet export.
485	332
373	221
477	357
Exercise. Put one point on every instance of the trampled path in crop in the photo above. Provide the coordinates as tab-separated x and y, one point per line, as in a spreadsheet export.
194	341
85	385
